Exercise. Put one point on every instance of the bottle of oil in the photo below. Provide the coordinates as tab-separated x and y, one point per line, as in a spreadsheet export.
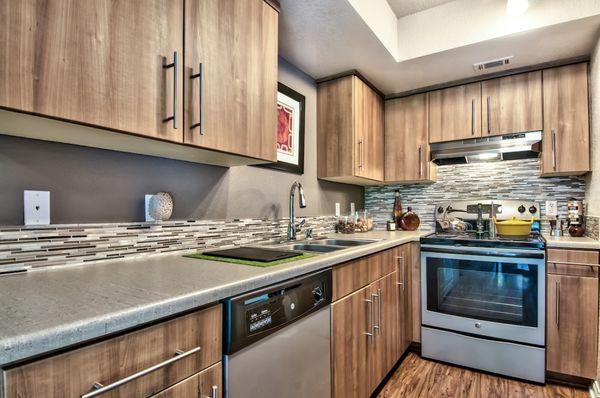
397	209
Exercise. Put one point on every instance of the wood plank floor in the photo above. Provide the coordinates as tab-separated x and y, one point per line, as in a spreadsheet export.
419	378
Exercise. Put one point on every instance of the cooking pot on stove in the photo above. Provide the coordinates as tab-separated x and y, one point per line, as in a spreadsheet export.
513	227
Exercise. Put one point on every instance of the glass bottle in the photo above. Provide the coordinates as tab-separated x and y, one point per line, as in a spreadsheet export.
397	209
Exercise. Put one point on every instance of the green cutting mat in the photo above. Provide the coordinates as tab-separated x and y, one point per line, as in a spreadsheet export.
201	256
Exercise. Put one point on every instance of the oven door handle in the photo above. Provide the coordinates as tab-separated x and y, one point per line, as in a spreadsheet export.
508	253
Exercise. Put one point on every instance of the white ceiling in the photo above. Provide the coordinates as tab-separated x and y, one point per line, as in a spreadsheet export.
325	37
406	7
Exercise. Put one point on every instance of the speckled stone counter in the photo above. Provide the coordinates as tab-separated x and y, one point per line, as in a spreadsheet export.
43	311
567	242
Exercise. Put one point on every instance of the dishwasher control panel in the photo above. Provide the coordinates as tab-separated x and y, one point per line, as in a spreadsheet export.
254	315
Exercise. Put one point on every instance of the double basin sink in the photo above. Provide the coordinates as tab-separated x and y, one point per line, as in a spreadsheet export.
325	245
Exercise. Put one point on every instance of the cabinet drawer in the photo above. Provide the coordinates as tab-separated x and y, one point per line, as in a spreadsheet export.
206	384
195	337
573	262
356	274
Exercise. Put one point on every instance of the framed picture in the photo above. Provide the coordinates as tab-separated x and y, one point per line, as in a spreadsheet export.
290	131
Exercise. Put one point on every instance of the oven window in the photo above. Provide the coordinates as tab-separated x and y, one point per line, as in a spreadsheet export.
485	290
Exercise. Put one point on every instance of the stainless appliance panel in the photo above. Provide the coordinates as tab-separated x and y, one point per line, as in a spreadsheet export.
498	317
515	360
294	362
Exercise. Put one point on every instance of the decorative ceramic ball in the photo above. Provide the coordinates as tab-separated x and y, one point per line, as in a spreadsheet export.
161	206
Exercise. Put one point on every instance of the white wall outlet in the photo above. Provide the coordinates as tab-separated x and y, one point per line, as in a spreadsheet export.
551	208
338	209
147	198
352	208
36	207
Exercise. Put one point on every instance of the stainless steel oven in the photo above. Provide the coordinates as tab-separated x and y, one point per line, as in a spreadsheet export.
484	307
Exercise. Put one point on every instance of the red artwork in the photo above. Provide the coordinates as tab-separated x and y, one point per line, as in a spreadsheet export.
284	129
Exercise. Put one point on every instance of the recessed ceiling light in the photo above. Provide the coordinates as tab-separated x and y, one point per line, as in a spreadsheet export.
515	8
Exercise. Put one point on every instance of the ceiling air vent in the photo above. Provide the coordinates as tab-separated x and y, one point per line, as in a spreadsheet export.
494	63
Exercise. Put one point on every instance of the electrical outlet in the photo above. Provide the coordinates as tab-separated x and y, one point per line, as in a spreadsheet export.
338	209
352	208
551	208
147	199
36	207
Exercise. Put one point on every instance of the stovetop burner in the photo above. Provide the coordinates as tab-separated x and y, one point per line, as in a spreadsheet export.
534	241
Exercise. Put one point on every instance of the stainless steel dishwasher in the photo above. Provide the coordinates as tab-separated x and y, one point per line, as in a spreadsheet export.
278	340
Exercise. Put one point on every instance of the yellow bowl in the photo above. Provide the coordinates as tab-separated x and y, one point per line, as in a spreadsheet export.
513	227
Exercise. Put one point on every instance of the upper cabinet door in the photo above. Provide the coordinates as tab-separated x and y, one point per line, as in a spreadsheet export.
368	126
455	113
406	140
98	62
512	104
230	76
566	143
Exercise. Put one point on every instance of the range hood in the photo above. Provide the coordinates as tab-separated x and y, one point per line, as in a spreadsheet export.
504	147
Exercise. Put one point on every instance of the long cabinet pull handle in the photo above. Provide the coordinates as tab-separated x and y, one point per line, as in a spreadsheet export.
553	149
557	304
489	129
214	393
378	312
200	98
473	117
420	161
573	263
175	66
371	332
401	271
99	389
361	144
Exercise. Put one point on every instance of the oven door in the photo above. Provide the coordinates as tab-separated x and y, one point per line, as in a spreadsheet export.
497	293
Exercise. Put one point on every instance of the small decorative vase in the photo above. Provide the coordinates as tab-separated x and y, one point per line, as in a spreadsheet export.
161	206
410	221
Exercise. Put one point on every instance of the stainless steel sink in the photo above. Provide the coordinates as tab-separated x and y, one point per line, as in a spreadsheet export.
307	247
345	242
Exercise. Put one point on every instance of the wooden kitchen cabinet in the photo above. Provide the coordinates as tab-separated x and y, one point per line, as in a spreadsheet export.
407	140
350	134
360	360
196	337
206	384
572	314
455	113
351	347
231	105
353	275
512	104
566	141
99	63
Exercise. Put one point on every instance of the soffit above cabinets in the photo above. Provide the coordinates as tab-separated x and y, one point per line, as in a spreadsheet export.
433	46
403	8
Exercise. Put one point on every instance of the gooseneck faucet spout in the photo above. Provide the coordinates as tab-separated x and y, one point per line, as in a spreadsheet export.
292	228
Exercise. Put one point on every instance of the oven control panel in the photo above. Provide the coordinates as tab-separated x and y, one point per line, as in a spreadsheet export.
503	209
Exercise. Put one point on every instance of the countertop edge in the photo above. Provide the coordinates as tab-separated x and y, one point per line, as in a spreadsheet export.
28	346
567	242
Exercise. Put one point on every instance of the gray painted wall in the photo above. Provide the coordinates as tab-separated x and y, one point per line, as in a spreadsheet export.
93	185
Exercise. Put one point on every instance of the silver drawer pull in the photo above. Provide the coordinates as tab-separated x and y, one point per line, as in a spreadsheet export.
99	388
214	394
573	263
378	311
557	315
371	332
400	271
199	76
175	66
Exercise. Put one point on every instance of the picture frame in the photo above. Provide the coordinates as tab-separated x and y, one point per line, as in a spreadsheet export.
290	130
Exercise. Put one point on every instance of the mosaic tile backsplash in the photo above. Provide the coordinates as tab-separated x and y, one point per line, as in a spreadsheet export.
24	248
514	179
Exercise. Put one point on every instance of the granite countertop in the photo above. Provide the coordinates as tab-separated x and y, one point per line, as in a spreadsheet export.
567	242
46	310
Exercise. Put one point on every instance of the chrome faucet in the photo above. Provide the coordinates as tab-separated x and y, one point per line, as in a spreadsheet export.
292	227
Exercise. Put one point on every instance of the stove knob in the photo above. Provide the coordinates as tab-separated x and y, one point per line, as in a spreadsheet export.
440	210
317	294
533	209
521	209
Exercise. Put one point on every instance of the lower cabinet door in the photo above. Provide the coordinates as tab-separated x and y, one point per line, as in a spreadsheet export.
206	384
572	325
403	258
352	342
387	328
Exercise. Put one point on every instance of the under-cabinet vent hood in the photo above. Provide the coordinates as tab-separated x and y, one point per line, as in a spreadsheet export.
504	147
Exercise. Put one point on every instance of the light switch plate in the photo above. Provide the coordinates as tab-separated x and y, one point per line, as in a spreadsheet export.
352	208
36	207
337	209
551	208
